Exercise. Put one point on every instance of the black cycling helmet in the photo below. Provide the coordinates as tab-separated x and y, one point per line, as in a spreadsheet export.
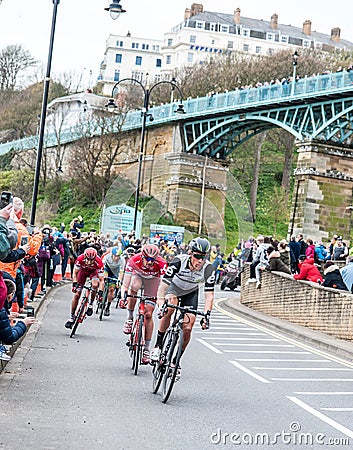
200	245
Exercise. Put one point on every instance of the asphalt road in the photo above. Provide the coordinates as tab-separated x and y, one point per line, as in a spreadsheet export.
241	386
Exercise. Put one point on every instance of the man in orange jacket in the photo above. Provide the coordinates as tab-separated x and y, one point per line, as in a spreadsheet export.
34	243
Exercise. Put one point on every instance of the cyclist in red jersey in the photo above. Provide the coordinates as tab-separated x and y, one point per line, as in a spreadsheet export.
87	265
143	270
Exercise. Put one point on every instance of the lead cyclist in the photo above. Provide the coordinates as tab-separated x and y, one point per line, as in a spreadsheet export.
182	280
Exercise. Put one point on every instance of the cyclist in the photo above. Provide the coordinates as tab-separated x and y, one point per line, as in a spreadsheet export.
112	270
182	280
127	253
143	270
87	265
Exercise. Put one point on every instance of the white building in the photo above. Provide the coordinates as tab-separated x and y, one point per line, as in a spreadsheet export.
203	34
129	57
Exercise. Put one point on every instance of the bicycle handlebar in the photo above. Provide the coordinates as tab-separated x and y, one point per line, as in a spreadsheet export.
183	309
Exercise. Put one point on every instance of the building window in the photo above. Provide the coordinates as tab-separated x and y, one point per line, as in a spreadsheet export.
270	36
118	57
137	75
212	42
168	59
145	46
138	60
318	45
270	51
258	49
192	39
200	25
117	75
119	43
224	29
306	43
190	57
155	48
230	44
135	45
158	62
246	32
170	42
284	39
245	47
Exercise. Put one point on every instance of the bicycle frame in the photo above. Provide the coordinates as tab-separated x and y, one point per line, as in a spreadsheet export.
102	304
82	307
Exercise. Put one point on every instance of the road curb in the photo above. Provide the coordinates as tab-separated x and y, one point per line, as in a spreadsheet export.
320	340
37	305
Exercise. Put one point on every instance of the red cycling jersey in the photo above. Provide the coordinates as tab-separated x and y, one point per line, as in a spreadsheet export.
136	265
90	265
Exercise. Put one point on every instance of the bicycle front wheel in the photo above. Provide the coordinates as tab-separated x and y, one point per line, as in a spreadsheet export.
80	316
138	345
172	364
103	303
160	365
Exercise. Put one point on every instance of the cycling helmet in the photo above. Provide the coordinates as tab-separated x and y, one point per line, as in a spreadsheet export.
116	251
200	245
90	253
150	251
130	251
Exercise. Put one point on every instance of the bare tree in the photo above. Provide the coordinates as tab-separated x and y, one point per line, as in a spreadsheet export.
13	60
258	142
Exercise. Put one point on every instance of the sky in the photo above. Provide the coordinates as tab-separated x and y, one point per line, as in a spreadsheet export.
82	26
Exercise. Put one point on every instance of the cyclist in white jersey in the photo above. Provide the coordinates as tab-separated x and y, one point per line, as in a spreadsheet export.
182	280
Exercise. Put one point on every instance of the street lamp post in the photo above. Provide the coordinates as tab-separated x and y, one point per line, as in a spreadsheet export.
111	106
295	63
43	116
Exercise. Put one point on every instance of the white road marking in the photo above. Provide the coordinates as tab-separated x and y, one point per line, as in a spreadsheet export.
283	360
282	337
312	379
324	393
337	409
231	332
252	345
322	417
336	369
243	339
276	352
206	344
249	372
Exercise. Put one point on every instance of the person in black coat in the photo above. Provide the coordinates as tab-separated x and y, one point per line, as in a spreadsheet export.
333	277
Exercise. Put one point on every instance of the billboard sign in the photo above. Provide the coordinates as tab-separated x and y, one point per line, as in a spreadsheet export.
119	219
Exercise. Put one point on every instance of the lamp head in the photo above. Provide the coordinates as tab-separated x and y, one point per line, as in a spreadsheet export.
115	9
180	109
111	106
295	58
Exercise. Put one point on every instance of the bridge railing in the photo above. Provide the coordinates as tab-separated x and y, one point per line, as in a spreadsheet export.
240	98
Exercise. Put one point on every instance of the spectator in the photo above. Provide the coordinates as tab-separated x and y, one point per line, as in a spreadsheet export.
302	243
276	263
308	270
260	260
284	252
340	251
333	277
310	249
347	273
321	252
76	225
4	241
294	248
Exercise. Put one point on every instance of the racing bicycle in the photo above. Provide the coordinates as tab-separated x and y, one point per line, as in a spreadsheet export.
165	370
101	304
83	305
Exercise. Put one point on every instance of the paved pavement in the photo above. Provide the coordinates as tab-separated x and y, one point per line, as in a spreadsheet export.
232	304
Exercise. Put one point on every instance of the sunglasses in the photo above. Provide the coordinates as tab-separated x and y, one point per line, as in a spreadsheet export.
149	259
198	256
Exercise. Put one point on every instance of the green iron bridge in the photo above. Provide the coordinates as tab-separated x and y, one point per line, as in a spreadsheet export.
314	108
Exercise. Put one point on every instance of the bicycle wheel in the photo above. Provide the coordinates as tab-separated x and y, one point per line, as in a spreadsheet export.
159	367
138	345
103	302
80	316
172	364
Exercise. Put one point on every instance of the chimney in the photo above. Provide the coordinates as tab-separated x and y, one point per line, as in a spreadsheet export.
336	35
187	13
237	16
307	27
196	8
274	21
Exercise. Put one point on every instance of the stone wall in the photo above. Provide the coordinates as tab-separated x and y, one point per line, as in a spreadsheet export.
304	303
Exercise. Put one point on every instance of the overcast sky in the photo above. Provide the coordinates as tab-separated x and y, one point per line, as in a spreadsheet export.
83	26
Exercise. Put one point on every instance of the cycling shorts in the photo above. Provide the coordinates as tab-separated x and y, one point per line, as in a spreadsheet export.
150	287
83	274
191	299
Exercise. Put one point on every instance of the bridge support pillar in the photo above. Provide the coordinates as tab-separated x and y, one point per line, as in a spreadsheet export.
322	191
